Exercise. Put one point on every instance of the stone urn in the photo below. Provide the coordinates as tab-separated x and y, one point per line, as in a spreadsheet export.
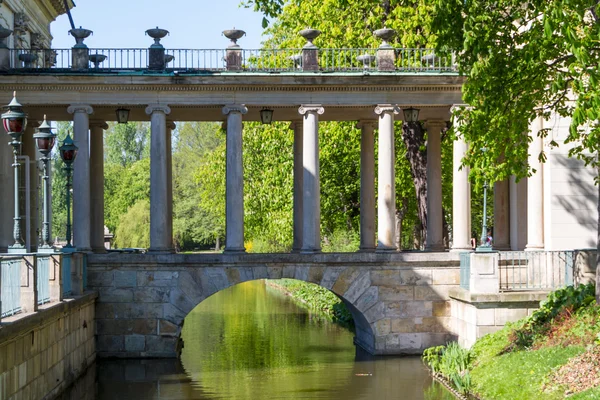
79	34
297	59
310	35
4	33
97	59
366	60
385	34
169	58
28	59
157	34
233	35
429	59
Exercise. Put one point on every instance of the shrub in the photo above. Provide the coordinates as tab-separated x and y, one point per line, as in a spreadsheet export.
451	362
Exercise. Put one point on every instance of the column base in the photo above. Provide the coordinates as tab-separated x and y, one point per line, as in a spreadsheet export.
160	251
367	249
310	251
17	249
99	250
385	249
46	250
461	249
435	248
230	250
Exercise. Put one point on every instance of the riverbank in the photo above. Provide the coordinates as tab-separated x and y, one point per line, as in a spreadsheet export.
315	298
551	354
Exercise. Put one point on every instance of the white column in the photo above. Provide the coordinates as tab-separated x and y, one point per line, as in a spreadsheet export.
501	215
386	185
97	185
296	126
81	176
518	213
535	190
170	127
367	185
8	193
29	149
311	185
234	189
161	236
435	216
461	196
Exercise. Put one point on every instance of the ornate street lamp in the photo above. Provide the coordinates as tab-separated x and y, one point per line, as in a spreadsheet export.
411	114
266	116
14	121
122	115
44	141
68	152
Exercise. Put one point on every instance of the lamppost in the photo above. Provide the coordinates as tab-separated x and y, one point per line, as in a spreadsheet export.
14	121
44	141
68	152
484	245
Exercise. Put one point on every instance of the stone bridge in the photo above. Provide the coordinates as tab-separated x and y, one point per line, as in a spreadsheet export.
399	301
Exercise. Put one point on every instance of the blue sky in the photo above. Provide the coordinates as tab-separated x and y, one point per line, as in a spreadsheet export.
193	24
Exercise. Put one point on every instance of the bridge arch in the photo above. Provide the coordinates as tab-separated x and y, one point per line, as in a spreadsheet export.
352	284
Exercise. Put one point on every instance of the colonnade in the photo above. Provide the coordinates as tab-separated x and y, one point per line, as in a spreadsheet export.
377	234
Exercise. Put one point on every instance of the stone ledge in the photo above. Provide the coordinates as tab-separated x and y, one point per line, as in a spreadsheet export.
17	324
497	298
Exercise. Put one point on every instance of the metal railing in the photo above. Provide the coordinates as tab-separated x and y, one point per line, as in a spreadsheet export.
66	274
535	270
10	286
43	279
465	270
215	60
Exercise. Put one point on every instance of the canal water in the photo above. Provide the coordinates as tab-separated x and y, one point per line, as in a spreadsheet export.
252	342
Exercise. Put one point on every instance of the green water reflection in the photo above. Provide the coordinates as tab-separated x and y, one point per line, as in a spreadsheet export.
252	342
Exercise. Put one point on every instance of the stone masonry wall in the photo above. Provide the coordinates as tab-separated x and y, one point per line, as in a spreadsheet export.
44	353
399	301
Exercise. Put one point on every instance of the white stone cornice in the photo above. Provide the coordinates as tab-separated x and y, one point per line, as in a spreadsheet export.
98	123
366	123
80	108
435	123
158	108
240	108
171	125
308	108
383	108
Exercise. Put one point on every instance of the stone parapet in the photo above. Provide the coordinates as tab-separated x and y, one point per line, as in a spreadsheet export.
43	353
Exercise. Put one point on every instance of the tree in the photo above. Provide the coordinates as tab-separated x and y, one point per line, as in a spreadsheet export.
133	229
126	143
59	184
524	60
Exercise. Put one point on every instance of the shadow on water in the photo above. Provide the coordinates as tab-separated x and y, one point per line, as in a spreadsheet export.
245	343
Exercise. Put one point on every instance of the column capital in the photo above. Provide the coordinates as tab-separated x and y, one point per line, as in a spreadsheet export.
240	108
435	123
458	107
383	108
366	123
308	108
80	108
171	125
98	123
158	107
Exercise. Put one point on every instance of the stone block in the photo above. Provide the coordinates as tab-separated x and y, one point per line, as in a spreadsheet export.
246	274
438	292
151	295
161	344
367	299
166	328
383	327
181	301
173	314
260	272
484	330
434	325
115	295
301	273
416	277
125	279
157	278
403	325
274	271
358	287
330	276
110	343
435	339
446	276
486	316
345	279
233	275
410	342
315	274
504	315
126	326
135	343
442	309
389	278
100	278
375	313
289	271
395	293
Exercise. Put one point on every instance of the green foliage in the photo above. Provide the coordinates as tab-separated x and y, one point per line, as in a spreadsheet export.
317	298
59	185
126	143
452	362
133	229
342	241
